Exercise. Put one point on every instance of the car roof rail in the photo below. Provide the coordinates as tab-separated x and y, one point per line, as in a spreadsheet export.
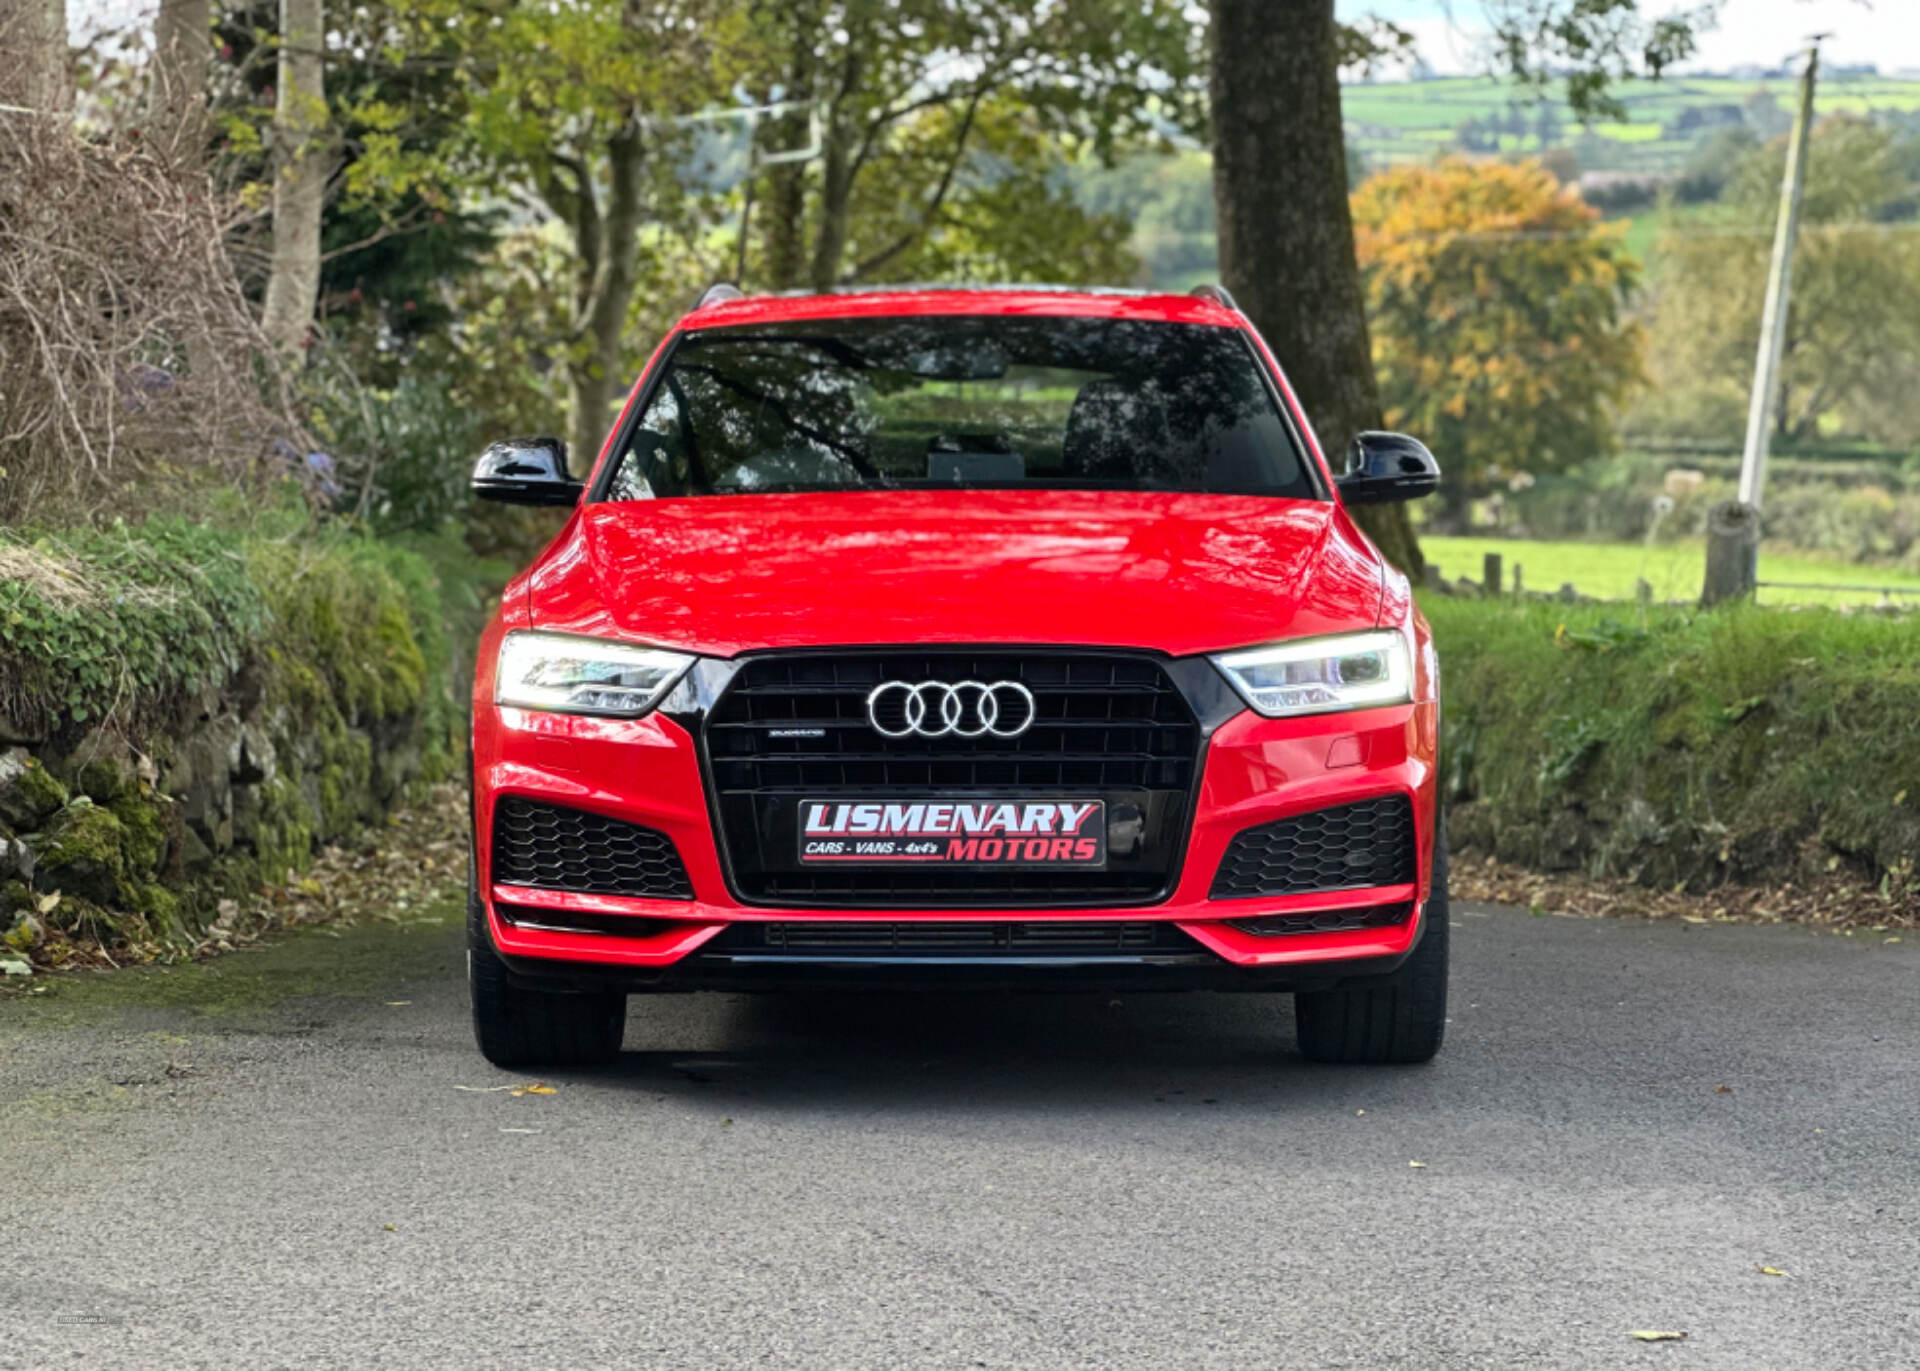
1215	292
718	294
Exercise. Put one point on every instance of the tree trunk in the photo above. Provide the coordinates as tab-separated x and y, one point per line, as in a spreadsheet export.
35	69
177	86
836	211
300	147
606	245
1286	230
785	209
837	170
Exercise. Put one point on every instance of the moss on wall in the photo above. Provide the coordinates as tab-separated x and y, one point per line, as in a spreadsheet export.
186	713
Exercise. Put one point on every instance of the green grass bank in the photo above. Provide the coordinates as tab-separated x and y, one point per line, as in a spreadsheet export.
1677	747
188	710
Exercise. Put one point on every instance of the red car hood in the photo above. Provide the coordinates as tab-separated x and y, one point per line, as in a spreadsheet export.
720	575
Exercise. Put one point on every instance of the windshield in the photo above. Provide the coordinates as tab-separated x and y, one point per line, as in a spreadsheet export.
991	402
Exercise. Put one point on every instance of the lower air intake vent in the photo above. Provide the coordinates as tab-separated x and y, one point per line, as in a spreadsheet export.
575	921
1064	939
551	847
1325	920
1345	848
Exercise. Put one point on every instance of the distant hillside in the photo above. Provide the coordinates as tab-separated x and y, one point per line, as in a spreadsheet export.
1411	120
1169	199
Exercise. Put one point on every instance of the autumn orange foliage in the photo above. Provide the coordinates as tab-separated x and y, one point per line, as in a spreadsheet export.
1496	301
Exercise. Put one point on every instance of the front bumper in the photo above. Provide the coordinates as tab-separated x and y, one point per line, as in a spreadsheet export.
1256	770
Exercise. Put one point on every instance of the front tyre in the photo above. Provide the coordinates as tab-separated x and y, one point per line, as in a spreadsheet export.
516	1027
1400	1021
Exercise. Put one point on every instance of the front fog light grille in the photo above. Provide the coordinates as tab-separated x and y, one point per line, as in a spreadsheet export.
1345	848
552	847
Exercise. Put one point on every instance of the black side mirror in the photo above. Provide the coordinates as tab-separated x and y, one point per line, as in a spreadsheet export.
526	471
1384	467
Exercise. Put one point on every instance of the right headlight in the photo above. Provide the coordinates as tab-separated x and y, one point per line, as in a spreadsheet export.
568	674
1322	675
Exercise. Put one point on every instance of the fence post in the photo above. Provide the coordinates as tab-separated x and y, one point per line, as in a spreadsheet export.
1490	573
1733	553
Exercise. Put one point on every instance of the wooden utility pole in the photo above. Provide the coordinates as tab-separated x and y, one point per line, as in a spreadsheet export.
1773	318
1733	527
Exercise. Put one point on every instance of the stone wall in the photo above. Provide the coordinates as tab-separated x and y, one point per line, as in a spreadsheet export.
129	827
142	842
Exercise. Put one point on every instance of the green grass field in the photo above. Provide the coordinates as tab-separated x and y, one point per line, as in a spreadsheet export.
1394	121
1608	571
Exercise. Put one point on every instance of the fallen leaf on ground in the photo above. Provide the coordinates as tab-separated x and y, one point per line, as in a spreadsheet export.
1418	1166
394	1004
1723	1090
537	1088
519	1130
484	1089
1768	1270
726	1123
389	1228
49	902
1656	1335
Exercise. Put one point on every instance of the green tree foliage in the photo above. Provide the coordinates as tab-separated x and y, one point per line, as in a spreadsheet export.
1169	201
1592	45
947	119
1011	214
399	230
574	112
1496	305
1851	364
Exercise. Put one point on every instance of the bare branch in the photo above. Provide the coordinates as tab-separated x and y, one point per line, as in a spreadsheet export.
129	356
932	210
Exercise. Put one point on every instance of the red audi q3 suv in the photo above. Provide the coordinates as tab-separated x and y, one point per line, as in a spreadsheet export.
997	638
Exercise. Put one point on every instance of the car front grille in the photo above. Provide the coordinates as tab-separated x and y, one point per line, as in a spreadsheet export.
794	727
1344	848
553	847
875	939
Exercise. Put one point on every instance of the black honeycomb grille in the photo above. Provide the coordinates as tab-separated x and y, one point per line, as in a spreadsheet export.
552	847
1344	848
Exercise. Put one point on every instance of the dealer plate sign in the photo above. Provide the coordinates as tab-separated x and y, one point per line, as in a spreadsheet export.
1070	834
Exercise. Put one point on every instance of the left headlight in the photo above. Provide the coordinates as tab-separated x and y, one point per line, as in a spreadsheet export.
569	675
1322	675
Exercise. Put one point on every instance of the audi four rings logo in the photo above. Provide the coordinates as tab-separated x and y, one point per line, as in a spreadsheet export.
961	709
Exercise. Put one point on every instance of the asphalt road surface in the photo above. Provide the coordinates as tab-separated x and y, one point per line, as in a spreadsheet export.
266	1163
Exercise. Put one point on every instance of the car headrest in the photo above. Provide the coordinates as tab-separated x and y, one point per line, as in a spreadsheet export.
1115	430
